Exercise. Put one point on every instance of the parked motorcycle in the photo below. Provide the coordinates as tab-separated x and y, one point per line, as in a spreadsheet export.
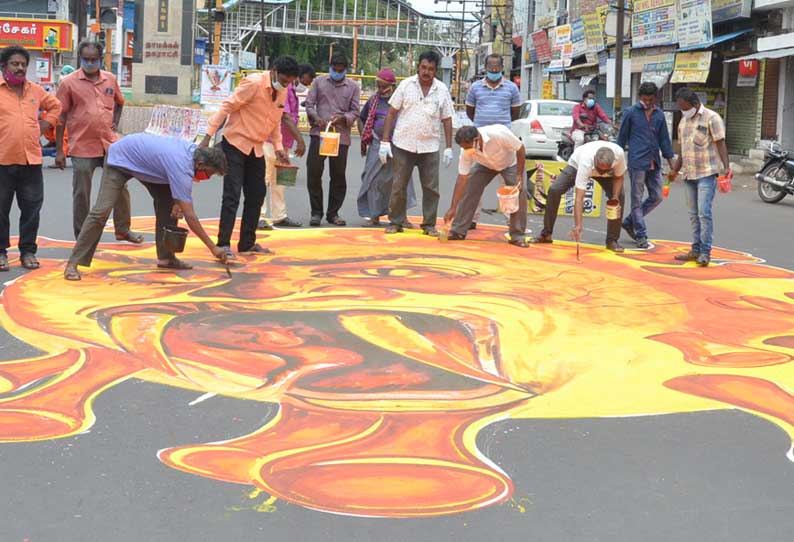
776	177
603	132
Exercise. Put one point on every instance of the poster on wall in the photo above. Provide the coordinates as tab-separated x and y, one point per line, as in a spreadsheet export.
548	89
542	46
694	23
216	84
43	70
653	23
713	98
691	67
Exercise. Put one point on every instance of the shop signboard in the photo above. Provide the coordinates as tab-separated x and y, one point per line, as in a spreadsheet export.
653	23
694	23
726	10
542	45
36	34
578	38
691	67
594	32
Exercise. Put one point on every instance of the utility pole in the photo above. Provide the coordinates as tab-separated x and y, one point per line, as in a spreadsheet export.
262	40
618	103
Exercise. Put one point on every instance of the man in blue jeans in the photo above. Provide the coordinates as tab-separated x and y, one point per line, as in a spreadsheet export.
703	150
644	131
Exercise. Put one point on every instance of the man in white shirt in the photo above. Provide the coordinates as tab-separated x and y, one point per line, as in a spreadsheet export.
487	152
422	103
601	161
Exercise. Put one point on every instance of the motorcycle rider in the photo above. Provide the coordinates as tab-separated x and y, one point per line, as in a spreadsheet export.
586	115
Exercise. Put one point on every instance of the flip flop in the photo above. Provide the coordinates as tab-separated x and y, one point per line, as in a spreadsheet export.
175	263
72	274
4	262
130	237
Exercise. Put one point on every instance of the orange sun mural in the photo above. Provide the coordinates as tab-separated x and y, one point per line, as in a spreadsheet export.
387	355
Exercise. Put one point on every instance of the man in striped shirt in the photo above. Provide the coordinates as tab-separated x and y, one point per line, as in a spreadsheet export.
494	99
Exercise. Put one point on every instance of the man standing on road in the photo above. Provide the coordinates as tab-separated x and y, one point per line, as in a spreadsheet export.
703	150
92	105
422	103
290	134
605	163
487	152
254	114
334	99
585	117
167	167
494	99
644	131
20	153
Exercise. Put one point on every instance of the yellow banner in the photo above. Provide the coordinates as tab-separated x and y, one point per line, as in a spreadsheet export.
691	67
546	173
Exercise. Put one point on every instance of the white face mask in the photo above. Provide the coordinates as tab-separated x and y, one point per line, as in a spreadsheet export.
300	88
278	86
689	113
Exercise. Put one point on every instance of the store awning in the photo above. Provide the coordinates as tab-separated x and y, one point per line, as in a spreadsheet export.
716	40
774	53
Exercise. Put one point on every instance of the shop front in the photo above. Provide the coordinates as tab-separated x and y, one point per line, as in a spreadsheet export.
46	40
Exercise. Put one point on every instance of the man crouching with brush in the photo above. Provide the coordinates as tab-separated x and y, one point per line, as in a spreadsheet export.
167	168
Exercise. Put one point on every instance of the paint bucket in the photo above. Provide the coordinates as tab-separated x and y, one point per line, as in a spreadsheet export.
286	174
613	209
329	142
174	238
508	199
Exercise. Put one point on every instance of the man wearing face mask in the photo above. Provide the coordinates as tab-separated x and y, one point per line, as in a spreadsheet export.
334	99
20	153
585	117
290	134
494	99
167	168
92	106
253	116
644	132
703	152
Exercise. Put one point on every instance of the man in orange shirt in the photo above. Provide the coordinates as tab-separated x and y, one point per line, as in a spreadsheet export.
92	105
254	114
20	152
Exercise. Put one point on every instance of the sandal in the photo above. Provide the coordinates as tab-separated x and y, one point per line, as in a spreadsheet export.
175	263
71	273
337	221
257	249
130	237
3	262
520	243
29	261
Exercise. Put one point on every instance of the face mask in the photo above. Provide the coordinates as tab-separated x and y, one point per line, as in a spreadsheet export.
276	84
689	113
200	175
493	77
90	66
300	87
12	79
337	76
590	103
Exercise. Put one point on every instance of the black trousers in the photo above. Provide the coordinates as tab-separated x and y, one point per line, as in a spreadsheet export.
337	188
245	174
27	184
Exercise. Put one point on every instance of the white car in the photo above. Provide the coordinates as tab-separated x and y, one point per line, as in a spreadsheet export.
541	123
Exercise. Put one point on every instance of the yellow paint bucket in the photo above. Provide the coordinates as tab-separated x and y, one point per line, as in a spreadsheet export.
613	209
329	141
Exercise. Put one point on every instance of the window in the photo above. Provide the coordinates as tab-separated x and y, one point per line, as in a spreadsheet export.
557	109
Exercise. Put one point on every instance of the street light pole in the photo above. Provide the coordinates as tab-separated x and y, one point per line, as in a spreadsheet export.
262	35
618	101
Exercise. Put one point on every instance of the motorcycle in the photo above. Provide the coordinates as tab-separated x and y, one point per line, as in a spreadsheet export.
603	132
776	177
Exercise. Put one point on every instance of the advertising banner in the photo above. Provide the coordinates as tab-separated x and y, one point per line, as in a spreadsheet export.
653	23
691	67
36	34
542	45
594	32
216	84
694	23
578	38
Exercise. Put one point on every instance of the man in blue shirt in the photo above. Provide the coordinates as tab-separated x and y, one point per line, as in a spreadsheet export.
494	99
167	167
644	131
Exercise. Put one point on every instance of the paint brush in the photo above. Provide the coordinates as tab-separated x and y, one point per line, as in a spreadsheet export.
578	259
228	271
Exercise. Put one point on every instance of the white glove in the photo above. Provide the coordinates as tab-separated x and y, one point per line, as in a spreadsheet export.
447	157
384	153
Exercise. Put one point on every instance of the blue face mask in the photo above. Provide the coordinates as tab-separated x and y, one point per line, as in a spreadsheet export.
90	65
590	103
335	75
494	77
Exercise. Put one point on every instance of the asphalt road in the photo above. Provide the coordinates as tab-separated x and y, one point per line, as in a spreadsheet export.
719	475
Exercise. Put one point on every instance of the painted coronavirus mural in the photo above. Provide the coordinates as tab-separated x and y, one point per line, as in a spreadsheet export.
386	355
